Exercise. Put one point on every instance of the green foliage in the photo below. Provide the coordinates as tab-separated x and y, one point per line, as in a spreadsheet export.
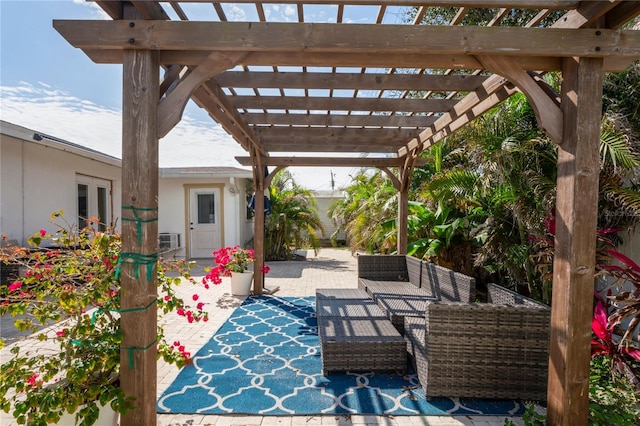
370	203
293	222
74	289
613	401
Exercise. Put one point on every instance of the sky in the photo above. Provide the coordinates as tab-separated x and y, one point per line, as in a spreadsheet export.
48	86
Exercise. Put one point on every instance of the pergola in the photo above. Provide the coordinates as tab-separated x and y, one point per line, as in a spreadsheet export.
306	83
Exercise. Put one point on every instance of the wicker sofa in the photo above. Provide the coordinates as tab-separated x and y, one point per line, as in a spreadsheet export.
498	349
403	285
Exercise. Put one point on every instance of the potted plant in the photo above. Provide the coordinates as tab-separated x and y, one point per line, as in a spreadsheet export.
233	262
70	294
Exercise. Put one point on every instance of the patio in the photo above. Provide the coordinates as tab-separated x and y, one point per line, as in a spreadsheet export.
331	268
214	62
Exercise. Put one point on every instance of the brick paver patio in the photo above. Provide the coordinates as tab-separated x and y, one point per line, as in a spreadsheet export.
331	268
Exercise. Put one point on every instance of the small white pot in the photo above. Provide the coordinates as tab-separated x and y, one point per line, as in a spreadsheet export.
241	283
107	417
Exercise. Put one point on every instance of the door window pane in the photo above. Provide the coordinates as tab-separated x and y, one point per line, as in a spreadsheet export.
102	209
83	205
206	211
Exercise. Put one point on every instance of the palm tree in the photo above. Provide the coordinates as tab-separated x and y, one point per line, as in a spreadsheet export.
293	222
369	201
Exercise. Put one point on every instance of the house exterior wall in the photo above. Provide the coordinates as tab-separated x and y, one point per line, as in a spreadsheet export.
173	209
37	179
324	199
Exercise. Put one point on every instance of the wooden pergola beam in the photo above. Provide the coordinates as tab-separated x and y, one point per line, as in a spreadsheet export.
303	103
332	146
363	39
389	60
522	4
349	81
330	161
295	135
339	120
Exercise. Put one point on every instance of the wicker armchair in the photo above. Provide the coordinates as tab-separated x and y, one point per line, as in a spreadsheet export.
482	350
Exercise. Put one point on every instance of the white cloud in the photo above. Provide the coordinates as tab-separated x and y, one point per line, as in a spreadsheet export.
190	144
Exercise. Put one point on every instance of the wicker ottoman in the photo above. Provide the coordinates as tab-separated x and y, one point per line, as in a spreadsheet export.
341	293
355	335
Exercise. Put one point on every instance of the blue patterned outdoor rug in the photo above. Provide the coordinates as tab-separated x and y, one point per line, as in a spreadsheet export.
265	360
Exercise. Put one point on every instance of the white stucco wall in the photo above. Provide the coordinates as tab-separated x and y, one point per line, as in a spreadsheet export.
172	216
37	179
324	199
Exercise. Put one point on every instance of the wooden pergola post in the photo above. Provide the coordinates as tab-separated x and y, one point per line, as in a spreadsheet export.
138	269
258	224
575	242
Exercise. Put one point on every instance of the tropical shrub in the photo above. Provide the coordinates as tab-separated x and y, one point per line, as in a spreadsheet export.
293	222
73	289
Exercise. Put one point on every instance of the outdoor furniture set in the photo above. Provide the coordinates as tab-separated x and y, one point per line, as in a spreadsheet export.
458	347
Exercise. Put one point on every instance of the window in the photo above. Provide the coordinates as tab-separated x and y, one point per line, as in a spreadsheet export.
93	200
206	209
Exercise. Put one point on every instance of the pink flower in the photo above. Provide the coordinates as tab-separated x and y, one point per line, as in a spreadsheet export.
265	269
43	232
33	380
176	343
15	286
200	306
180	312
195	297
167	298
61	332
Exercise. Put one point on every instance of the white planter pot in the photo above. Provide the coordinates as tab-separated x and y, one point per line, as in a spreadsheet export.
107	417
241	283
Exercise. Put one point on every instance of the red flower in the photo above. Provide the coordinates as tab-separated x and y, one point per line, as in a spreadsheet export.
265	269
43	232
15	286
195	297
61	332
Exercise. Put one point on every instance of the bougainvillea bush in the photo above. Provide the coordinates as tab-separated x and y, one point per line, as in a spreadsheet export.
68	294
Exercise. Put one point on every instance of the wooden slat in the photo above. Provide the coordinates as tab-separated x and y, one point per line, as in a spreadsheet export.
241	133
319	134
388	60
492	85
522	4
331	146
362	38
350	81
326	161
111	8
341	104
339	120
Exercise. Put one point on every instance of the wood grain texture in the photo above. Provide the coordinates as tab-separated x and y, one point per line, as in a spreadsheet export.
139	190
353	38
575	243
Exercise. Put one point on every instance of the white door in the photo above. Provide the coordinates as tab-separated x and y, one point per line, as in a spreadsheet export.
204	222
